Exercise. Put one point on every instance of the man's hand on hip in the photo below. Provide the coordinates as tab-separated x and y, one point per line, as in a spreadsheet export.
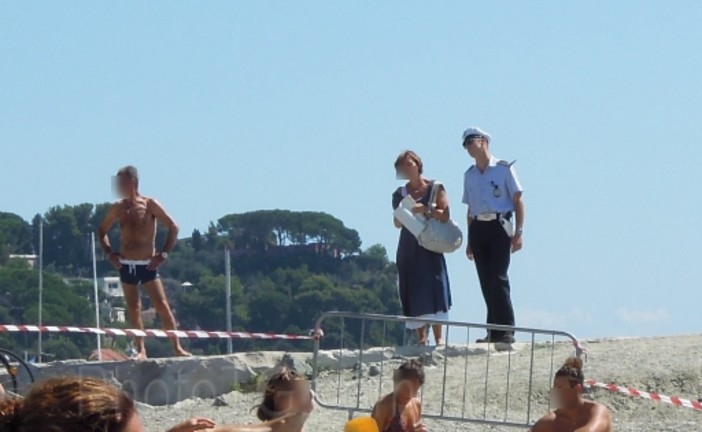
156	261
115	260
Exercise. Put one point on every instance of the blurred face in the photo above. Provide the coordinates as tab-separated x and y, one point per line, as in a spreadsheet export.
124	185
406	390
474	146
564	394
408	168
134	424
299	399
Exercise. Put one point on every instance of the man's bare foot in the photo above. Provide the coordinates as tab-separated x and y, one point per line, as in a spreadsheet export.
180	352
141	355
440	342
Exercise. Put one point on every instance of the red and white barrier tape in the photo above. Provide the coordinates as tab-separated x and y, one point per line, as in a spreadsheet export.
671	400
183	334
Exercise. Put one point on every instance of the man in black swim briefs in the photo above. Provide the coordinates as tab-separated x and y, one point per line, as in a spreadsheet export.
137	259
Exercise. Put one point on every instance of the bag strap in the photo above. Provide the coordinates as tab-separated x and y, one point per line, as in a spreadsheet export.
435	188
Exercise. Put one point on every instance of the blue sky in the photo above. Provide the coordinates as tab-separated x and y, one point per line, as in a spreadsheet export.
235	106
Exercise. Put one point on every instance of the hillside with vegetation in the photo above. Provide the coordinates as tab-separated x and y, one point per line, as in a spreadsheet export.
287	268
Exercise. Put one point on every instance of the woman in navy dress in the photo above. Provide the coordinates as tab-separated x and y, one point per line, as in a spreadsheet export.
423	278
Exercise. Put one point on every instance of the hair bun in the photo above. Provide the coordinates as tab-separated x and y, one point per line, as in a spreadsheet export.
10	413
574	362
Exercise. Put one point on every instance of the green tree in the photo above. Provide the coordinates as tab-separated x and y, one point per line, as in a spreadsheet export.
15	235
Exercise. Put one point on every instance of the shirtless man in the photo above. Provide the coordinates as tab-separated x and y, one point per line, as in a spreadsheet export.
573	413
137	259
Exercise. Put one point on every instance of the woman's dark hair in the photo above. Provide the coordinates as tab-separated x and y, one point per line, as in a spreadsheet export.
409	154
281	381
408	370
572	369
68	405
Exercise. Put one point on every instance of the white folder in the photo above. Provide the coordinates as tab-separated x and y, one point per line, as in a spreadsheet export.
415	223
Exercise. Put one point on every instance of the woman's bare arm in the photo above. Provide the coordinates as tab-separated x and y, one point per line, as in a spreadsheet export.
441	212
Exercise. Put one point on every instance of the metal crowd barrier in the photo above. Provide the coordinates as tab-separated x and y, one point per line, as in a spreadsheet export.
489	384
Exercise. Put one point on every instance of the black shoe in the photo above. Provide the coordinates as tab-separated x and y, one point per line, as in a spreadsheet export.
484	340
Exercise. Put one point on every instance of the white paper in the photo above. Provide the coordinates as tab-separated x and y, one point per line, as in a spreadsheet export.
415	223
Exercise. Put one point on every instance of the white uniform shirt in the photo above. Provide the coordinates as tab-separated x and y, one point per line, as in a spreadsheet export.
491	191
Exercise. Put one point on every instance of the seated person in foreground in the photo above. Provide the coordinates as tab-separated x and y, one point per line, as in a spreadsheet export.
573	413
401	410
286	405
78	405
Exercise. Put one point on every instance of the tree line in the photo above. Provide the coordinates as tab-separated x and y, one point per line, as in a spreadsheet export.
287	268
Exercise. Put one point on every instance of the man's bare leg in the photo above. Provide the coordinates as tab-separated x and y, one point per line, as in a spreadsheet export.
133	303
158	298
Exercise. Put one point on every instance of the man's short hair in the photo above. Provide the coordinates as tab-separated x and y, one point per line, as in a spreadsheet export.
129	172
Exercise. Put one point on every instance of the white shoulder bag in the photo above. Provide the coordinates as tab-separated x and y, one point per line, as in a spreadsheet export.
437	236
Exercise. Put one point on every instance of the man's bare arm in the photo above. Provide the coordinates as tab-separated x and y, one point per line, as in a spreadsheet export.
600	421
107	223
164	218
518	211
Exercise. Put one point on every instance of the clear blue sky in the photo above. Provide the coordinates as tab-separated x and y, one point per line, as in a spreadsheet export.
235	106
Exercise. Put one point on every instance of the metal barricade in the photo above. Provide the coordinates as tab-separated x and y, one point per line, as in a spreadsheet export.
490	384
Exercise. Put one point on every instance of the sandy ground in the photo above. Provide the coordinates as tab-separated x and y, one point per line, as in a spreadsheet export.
671	366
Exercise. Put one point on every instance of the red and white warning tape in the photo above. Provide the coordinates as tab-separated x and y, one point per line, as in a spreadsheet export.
185	334
672	400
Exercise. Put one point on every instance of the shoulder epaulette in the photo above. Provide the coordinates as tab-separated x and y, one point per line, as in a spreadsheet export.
505	163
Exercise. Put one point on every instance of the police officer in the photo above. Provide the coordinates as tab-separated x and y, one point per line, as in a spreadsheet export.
493	194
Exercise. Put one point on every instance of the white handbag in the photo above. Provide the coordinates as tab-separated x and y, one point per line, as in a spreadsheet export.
437	236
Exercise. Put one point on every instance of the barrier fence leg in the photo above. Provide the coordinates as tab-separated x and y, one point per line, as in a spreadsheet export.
509	373
443	387
360	363
465	374
338	366
531	377
487	375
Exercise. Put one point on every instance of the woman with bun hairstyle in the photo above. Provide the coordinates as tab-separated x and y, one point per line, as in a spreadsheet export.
287	401
573	413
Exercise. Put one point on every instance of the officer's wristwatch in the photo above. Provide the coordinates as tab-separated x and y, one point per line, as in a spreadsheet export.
164	255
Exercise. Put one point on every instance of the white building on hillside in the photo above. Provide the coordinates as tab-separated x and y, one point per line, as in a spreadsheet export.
111	286
30	259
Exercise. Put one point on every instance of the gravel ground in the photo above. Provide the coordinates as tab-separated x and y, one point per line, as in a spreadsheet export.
671	366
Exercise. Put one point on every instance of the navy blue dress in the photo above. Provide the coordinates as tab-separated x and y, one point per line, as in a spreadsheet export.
423	278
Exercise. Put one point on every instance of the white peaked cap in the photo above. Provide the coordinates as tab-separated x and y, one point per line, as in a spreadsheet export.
476	131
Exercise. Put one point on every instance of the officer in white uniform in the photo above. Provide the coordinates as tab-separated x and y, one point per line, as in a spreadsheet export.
493	194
